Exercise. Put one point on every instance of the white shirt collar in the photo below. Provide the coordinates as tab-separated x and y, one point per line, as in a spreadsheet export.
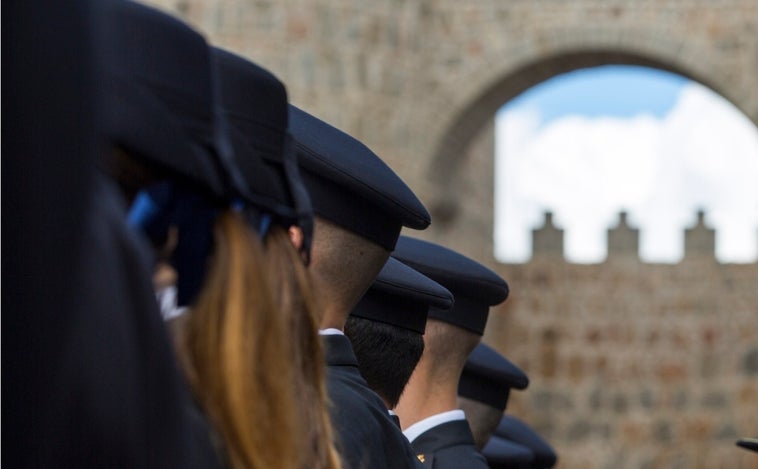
428	423
167	301
330	331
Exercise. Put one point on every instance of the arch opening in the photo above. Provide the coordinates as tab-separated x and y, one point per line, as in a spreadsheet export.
453	149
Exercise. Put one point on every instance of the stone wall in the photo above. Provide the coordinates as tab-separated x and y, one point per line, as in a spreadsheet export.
418	80
631	364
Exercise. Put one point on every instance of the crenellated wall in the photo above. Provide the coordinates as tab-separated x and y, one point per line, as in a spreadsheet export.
623	239
632	364
419	81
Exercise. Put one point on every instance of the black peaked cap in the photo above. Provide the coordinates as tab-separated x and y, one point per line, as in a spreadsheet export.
501	453
474	286
160	96
513	429
255	104
350	185
488	377
401	296
748	443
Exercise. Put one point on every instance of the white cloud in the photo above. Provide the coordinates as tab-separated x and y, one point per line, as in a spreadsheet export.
704	153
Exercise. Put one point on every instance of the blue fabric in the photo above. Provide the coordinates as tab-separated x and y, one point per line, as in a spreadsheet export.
166	205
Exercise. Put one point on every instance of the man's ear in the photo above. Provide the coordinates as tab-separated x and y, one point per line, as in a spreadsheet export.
296	236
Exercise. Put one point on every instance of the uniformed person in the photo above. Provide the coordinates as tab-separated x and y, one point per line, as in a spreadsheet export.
386	327
360	206
428	410
169	145
514	430
255	104
484	388
104	390
174	151
50	322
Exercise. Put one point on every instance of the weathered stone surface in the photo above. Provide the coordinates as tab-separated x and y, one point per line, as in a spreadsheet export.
419	82
750	362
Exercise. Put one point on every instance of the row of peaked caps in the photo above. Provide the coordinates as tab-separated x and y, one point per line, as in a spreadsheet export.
242	147
242	150
404	295
221	126
251	147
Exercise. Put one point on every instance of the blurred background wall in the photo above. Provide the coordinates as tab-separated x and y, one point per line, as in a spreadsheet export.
632	364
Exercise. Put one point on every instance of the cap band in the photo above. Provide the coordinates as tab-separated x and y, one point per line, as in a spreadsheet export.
394	310
482	389
351	211
467	313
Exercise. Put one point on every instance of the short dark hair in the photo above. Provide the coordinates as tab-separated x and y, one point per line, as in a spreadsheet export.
387	355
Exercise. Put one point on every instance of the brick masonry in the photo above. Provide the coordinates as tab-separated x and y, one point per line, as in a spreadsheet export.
632	365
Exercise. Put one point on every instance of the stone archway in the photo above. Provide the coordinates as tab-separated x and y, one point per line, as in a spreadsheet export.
467	129
418	80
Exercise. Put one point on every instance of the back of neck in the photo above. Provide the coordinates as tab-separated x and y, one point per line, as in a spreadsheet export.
425	396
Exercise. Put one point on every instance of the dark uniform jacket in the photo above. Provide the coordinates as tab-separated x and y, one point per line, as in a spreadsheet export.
449	445
366	436
90	379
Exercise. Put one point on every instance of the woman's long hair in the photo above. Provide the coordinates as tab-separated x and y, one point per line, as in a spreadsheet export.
293	294
236	350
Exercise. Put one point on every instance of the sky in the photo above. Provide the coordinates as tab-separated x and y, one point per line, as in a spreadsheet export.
590	143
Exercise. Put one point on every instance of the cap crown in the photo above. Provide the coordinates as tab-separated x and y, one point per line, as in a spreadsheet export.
254	102
160	97
474	286
515	430
400	296
350	185
488	377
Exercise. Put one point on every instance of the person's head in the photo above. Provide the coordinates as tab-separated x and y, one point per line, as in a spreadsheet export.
344	264
360	206
170	152
451	334
446	349
163	112
484	388
255	104
386	327
386	355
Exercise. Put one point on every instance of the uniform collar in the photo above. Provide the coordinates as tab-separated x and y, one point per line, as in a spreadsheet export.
428	423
